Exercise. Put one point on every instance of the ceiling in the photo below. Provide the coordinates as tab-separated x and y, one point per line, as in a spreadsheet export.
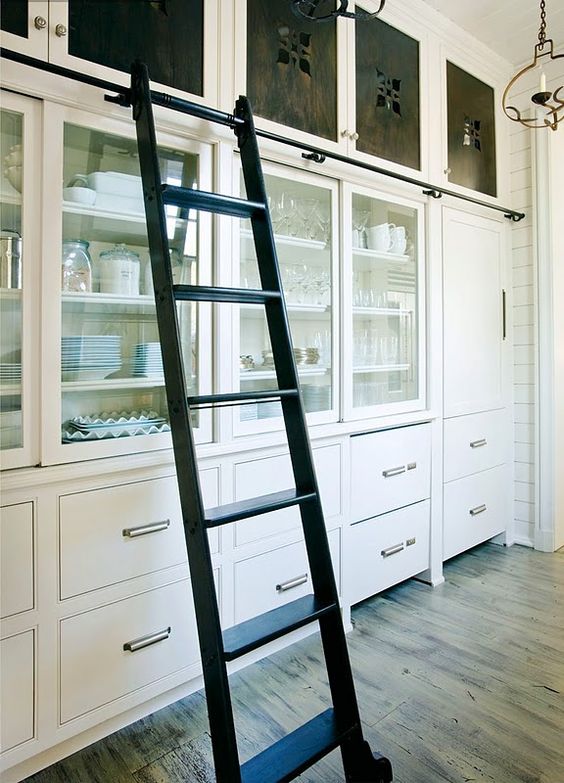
508	26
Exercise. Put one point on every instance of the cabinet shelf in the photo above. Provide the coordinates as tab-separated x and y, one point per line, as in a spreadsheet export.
10	390
380	255
259	375
386	311
111	384
310	249
11	294
81	302
380	368
305	311
11	198
106	225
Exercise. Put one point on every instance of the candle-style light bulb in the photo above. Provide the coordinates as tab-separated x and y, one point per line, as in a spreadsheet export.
543	82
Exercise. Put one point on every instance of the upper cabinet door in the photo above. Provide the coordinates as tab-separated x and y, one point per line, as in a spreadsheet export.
293	70
177	39
19	280
475	313
24	26
387	93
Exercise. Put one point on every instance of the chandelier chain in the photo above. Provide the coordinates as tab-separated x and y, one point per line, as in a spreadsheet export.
542	30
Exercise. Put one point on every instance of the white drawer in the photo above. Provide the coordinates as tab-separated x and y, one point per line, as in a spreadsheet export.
475	509
118	533
265	581
273	474
17	675
387	550
16	559
473	443
95	667
389	469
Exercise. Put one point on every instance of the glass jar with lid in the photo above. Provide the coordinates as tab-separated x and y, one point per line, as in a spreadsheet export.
76	266
119	271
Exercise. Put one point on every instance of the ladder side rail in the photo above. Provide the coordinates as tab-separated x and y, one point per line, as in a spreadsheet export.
315	533
207	612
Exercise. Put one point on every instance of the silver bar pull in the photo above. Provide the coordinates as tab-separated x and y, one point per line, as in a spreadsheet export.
295	582
478	510
392	550
143	530
393	471
477	443
147	641
504	313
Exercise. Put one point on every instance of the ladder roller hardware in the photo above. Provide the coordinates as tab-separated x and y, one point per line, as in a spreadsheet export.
340	726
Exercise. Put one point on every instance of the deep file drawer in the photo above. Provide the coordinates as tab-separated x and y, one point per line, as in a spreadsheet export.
116	649
274	578
475	442
475	509
389	469
386	550
117	533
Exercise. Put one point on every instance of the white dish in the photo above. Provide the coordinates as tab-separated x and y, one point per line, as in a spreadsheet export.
79	195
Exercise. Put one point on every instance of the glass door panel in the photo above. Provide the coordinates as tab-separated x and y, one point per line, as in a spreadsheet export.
385	302
303	216
24	26
111	368
11	320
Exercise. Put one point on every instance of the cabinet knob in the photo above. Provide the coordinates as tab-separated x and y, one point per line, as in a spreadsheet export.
40	22
345	133
61	30
353	136
448	171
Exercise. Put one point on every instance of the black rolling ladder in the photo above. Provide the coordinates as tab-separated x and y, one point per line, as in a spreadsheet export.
336	727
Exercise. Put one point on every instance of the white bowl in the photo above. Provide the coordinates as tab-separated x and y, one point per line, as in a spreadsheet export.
80	195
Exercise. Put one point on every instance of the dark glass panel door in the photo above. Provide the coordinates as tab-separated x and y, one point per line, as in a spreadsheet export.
168	35
14	17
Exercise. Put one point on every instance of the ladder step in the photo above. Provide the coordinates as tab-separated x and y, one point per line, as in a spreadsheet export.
211	202
254	507
296	752
205	293
255	633
241	397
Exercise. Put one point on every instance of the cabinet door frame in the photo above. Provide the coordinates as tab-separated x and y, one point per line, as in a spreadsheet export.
419	403
52	450
405	24
487	221
241	429
31	109
340	145
37	42
212	69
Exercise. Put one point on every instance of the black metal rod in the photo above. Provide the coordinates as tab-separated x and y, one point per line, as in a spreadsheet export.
223	118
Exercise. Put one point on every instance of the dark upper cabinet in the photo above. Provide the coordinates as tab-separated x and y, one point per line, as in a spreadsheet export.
471	131
292	68
168	35
387	93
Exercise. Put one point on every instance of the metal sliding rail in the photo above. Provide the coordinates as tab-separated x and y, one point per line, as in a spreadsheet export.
309	152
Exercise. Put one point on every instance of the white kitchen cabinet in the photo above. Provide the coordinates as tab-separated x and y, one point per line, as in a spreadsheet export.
475	313
17	566
25	27
475	442
17	678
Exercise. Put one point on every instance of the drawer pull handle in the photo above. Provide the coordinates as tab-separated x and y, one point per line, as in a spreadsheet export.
147	641
296	582
392	550
143	530
478	510
393	471
477	443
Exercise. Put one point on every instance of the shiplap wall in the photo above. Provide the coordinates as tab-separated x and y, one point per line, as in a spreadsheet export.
525	320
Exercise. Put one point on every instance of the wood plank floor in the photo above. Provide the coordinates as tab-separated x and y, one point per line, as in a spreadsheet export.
457	684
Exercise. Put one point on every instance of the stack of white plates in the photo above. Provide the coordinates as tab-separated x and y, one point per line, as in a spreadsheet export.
90	353
10	373
316	398
147	360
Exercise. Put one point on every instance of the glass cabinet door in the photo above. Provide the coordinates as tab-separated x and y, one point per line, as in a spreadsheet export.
24	26
112	393
303	212
19	281
385	289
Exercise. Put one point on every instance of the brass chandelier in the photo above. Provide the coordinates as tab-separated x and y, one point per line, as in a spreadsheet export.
318	10
548	107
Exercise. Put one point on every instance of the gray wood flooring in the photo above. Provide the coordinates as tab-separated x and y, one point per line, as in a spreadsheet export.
457	684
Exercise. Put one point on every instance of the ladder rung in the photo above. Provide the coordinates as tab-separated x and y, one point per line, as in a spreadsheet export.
205	293
254	507
248	636
295	752
241	397
211	202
